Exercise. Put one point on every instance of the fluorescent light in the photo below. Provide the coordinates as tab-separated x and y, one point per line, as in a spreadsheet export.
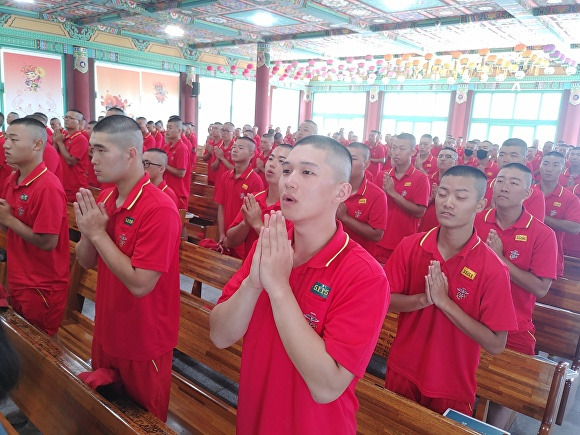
25	1
174	31
263	19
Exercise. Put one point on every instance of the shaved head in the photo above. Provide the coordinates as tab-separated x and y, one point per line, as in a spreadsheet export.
337	156
122	130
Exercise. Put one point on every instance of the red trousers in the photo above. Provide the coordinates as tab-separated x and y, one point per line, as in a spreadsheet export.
146	382
44	308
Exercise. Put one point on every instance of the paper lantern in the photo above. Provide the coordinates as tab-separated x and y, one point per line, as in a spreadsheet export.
388	57
379	62
520	47
416	62
527	54
294	63
484	77
483	51
311	62
349	60
428	56
406	56
456	54
438	62
464	61
385	80
250	66
369	57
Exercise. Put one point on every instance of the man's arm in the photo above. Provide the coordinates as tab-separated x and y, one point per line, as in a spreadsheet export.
361	228
180	173
562	225
86	253
409	207
437	292
46	242
221	223
92	220
70	160
237	234
326	378
401	303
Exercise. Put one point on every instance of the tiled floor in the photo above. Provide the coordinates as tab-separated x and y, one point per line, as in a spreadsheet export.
523	425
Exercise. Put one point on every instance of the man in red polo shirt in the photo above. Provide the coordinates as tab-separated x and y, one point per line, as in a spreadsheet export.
305	129
223	152
407	192
261	158
192	137
56	125
449	287
484	161
73	149
364	213
234	186
562	206
571	175
572	241
425	161
131	233
378	153
155	162
446	159
178	170
159	139
513	151
247	225
148	139
213	140
468	157
33	211
289	138
51	158
295	305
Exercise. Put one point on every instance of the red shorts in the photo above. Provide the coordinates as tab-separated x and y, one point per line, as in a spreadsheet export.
522	341
403	386
147	382
382	254
43	308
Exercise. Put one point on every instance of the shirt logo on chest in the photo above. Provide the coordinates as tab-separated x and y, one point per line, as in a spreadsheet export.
362	201
129	221
24	197
357	214
468	273
320	289
404	193
557	204
521	238
461	293
407	184
122	239
553	213
21	211
514	254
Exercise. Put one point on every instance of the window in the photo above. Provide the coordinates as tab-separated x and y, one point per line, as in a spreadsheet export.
215	103
244	102
335	110
285	109
418	113
497	116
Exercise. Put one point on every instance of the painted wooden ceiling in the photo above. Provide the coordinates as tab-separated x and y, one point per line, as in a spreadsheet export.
324	28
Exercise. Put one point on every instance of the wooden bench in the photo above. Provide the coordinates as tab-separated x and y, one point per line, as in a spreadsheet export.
52	396
564	293
200	178
558	333
202	189
572	268
5	424
201	167
203	207
511	379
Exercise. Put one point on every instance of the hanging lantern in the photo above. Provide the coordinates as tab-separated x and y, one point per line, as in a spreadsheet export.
519	48
483	51
456	54
388	57
311	62
349	59
428	56
250	66
210	68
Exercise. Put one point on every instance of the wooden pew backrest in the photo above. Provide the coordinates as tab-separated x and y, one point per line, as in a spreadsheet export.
564	293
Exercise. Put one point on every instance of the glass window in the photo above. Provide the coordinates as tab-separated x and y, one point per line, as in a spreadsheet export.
335	110
285	108
215	103
244	98
498	134
527	106
525	133
388	126
481	105
502	106
545	133
550	106
478	130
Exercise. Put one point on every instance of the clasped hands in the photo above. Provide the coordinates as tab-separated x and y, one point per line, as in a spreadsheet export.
436	285
91	217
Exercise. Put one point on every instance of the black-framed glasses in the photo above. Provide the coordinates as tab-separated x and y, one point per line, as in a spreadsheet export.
147	163
446	156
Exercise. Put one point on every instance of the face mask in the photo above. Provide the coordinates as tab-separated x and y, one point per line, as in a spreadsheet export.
481	154
468	152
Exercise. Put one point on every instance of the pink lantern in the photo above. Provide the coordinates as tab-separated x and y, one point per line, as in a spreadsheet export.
210	68
369	57
277	63
311	62
275	69
329	62
361	64
349	59
340	67
294	63
250	66
379	62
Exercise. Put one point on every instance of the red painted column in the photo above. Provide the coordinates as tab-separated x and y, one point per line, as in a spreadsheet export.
263	100
570	132
459	112
305	107
373	113
78	82
187	103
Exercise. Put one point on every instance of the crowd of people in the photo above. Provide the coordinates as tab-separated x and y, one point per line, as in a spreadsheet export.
459	238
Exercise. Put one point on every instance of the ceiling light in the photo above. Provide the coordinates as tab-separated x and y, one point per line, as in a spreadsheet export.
554	2
174	31
263	19
379	20
25	1
485	8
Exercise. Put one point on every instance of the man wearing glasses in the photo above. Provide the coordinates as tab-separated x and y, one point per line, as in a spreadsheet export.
73	149
223	153
154	162
446	159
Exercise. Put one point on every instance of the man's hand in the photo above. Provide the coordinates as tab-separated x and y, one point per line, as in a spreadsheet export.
433	193
277	254
252	212
91	217
388	185
219	153
5	212
260	165
494	242
341	211
436	285
209	148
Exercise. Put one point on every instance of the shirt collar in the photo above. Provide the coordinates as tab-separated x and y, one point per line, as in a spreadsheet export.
134	194
244	175
409	171
331	250
524	220
362	188
75	134
429	242
36	173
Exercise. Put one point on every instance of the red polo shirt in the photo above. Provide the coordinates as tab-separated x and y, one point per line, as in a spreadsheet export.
368	205
571	241
471	162
534	205
230	192
429	219
564	205
567	180
169	191
266	209
491	169
178	158
5	170
478	284
211	174
263	157
531	246
146	228
38	202
430	165
435	150
159	139
76	176
52	161
149	142
377	152
273	397
222	169
193	140
414	187
289	139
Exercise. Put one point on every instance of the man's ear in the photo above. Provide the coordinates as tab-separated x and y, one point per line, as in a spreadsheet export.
343	191
38	143
481	204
